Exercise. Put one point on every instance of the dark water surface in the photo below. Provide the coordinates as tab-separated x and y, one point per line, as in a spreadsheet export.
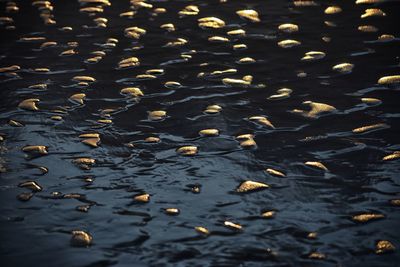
99	198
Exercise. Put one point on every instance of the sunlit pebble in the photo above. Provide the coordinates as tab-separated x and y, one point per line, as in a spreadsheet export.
246	60
384	246
326	39
249	186
129	62
317	165
157	115
244	82
371	101
213	109
152	140
373	12
93	60
389	80
56	118
127	14
312	235
41	70
239	47
184	56
92	142
249	14
25	196
211	22
159	10
317	109
144	198
81	239
78	98
330	23
190	10
386	38
202	230
359	2
104	121
218	39
393	156
333	10
134	32
91	10
233	226
238	32
6	20
98	53
83	79
209	132
288	27
172	85
268	214
262	120
88	180
246	140
288	43
11	68
32	39
84	161
101	22
137	4
132	91
281	94
29	104
168	27
367	28
275	172
14	123
366	217
12	7
68	52
83	84
313	55
66	29
41	86
223	72
32	185
145	77
155	71
172	211
370	128
395	202
41	150
187	150
304	3
316	256
97	2
343	67
177	42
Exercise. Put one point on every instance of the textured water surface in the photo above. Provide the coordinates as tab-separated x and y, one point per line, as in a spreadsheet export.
199	133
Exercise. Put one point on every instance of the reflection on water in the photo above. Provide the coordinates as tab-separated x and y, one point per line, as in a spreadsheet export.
199	133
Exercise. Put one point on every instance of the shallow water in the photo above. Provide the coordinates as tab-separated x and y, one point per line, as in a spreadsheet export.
125	232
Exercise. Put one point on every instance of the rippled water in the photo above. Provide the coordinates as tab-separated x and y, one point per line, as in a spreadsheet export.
311	220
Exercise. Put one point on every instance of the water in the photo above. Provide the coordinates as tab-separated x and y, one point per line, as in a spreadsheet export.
126	232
